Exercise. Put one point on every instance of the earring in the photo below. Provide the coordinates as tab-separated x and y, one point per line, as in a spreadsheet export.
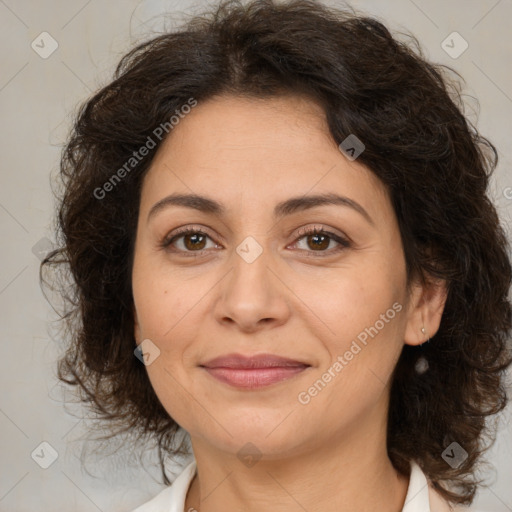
421	365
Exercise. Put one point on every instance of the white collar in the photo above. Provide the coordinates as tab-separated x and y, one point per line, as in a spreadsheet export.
420	496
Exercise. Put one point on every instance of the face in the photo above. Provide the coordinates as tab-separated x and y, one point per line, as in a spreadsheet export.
254	279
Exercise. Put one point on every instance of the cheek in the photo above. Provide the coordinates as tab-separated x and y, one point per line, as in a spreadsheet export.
364	340
170	311
363	321
164	313
353	300
161	297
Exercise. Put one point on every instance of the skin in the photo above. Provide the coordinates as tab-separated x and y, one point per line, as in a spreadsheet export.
295	300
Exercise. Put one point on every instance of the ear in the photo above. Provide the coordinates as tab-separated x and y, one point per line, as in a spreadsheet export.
425	309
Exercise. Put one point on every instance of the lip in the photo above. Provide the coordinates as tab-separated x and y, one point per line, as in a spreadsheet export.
239	361
252	372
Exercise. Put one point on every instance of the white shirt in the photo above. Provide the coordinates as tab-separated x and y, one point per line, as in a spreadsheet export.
421	497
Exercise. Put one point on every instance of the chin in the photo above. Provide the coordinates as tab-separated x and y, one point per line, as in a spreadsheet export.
257	444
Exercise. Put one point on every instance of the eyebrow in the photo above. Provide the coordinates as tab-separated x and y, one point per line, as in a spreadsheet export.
287	207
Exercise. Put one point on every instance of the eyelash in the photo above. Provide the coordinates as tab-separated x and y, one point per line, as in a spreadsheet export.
343	242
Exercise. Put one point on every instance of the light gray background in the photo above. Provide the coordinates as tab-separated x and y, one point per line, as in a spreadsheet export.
37	98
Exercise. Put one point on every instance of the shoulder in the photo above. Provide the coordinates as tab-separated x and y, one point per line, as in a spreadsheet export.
161	502
423	497
172	498
439	504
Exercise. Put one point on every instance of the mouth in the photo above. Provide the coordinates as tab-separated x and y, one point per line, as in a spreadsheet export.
253	372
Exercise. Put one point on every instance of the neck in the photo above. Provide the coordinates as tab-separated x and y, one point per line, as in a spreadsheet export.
352	472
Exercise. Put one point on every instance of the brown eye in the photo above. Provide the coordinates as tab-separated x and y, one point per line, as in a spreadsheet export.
189	240
318	240
194	241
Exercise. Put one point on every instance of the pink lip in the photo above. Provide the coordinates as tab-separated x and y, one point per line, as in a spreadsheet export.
253	372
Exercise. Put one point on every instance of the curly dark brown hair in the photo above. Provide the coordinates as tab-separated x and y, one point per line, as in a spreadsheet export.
433	161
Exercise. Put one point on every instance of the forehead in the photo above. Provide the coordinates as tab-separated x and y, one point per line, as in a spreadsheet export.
255	131
245	151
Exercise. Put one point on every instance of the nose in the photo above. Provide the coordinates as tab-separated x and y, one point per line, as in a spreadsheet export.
252	296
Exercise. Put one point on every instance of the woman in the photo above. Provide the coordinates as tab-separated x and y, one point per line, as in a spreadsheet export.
278	231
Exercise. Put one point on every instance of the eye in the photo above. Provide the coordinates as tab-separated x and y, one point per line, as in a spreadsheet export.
317	239
191	240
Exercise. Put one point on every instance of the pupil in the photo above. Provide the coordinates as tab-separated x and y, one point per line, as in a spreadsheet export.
321	245
193	244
